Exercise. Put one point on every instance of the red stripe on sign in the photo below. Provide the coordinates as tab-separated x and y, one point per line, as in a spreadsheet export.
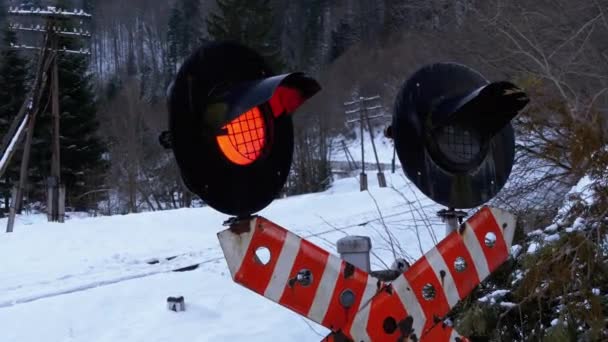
386	312
484	225
350	279
253	274
459	261
422	279
299	297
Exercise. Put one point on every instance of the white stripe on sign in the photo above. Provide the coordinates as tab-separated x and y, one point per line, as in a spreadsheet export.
438	264
408	299
282	269
235	246
479	259
359	328
327	285
454	336
506	224
371	289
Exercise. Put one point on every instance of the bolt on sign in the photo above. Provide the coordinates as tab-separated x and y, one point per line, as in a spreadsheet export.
232	136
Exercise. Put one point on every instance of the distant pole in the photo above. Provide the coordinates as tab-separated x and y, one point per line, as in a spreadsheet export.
39	81
393	161
352	164
363	175
364	119
381	178
12	213
55	182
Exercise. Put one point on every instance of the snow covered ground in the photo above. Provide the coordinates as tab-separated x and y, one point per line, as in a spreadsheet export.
107	278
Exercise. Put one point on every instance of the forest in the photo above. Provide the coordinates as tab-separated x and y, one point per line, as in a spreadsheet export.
556	48
113	104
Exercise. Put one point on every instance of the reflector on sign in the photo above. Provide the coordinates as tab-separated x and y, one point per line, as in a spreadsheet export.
245	138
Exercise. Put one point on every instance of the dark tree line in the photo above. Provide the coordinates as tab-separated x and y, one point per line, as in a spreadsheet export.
13	81
82	148
136	54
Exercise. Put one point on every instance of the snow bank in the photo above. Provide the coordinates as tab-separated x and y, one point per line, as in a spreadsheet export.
107	278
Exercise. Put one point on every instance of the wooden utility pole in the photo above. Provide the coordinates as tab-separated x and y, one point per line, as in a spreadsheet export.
352	164
55	179
54	25
365	119
41	78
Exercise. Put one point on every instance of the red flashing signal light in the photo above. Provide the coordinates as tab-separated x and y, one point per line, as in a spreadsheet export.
245	138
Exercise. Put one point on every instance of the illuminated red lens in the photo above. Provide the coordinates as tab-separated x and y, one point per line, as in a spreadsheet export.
245	139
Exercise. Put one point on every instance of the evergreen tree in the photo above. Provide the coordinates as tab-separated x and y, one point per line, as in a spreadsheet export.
192	34
3	9
13	90
82	150
31	4
175	40
88	5
248	22
184	34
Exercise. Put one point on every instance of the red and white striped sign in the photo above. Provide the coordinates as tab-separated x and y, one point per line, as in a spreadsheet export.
322	287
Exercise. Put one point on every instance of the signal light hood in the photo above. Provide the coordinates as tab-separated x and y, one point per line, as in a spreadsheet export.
503	100
285	93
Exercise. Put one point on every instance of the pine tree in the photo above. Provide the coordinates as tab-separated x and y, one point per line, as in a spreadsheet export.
13	89
88	5
3	9
175	40
31	4
192	34
248	22
82	150
184	34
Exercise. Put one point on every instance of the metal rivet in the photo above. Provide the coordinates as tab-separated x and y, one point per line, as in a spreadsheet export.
460	265
490	239
304	277
347	298
428	292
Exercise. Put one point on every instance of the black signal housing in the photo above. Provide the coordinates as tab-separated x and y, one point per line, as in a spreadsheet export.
453	134
226	101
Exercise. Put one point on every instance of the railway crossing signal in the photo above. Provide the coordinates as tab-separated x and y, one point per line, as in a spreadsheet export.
232	137
352	303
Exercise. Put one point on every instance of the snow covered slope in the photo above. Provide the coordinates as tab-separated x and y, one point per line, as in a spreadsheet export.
107	278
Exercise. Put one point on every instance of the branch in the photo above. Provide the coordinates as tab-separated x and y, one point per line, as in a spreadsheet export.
571	38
